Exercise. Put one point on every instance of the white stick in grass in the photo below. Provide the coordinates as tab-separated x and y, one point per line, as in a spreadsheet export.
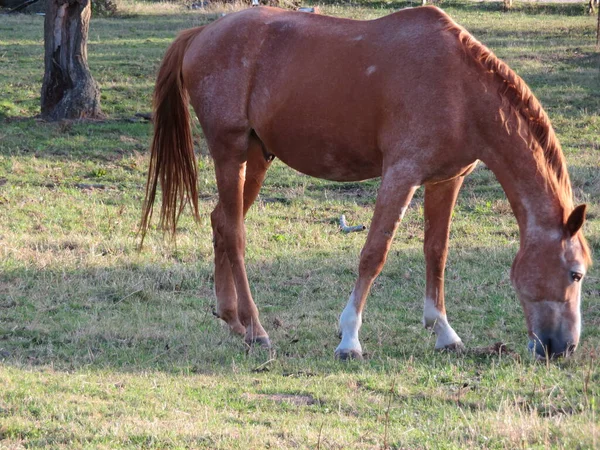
346	229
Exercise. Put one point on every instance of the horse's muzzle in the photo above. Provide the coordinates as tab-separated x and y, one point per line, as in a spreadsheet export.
545	346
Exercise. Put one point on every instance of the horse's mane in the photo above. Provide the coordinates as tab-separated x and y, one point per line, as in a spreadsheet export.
519	103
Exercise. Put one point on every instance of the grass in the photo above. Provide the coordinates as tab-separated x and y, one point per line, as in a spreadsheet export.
106	347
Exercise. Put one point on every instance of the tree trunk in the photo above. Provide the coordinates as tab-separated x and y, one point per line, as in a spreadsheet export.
68	90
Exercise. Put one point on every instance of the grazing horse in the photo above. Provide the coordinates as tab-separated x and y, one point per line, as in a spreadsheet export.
412	98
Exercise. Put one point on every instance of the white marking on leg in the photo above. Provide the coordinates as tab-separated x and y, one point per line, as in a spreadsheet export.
350	322
432	318
371	70
402	212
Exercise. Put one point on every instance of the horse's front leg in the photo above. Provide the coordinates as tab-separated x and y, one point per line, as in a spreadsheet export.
440	199
392	201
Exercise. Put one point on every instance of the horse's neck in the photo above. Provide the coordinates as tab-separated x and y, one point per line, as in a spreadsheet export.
537	207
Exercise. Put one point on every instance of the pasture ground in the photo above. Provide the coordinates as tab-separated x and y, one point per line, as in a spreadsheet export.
105	347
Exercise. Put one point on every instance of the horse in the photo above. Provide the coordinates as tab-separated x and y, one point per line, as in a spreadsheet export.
412	98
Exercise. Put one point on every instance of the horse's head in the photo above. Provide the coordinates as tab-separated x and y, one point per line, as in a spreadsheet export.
547	275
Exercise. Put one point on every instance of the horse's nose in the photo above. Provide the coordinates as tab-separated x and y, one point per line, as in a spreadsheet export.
545	346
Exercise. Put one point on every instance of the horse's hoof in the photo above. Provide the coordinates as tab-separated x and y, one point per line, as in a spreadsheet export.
234	324
260	341
457	347
345	355
237	329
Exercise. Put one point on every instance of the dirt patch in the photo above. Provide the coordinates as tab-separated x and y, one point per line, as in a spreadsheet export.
499	348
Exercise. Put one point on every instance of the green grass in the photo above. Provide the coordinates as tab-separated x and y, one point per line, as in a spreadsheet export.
105	347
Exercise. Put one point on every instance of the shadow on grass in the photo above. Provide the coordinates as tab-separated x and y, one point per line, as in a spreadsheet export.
138	318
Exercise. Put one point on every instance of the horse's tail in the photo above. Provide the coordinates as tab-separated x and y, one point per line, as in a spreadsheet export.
172	159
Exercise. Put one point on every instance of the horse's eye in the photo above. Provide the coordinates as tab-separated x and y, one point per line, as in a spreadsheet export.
576	276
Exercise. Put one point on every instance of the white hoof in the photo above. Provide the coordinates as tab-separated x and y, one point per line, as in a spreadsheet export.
446	337
350	322
345	355
349	348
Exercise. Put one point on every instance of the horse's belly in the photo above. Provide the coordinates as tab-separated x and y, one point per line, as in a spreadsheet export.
336	161
336	170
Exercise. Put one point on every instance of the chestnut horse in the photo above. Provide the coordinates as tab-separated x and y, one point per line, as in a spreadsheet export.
412	98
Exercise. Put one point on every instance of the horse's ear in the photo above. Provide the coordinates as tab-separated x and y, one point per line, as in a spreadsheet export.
576	219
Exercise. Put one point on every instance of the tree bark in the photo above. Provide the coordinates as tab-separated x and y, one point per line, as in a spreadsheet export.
68	91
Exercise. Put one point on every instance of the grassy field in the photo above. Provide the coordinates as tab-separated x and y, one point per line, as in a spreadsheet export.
102	346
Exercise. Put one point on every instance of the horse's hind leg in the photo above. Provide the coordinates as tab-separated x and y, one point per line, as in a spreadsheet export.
224	286
239	311
227	308
440	199
392	201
